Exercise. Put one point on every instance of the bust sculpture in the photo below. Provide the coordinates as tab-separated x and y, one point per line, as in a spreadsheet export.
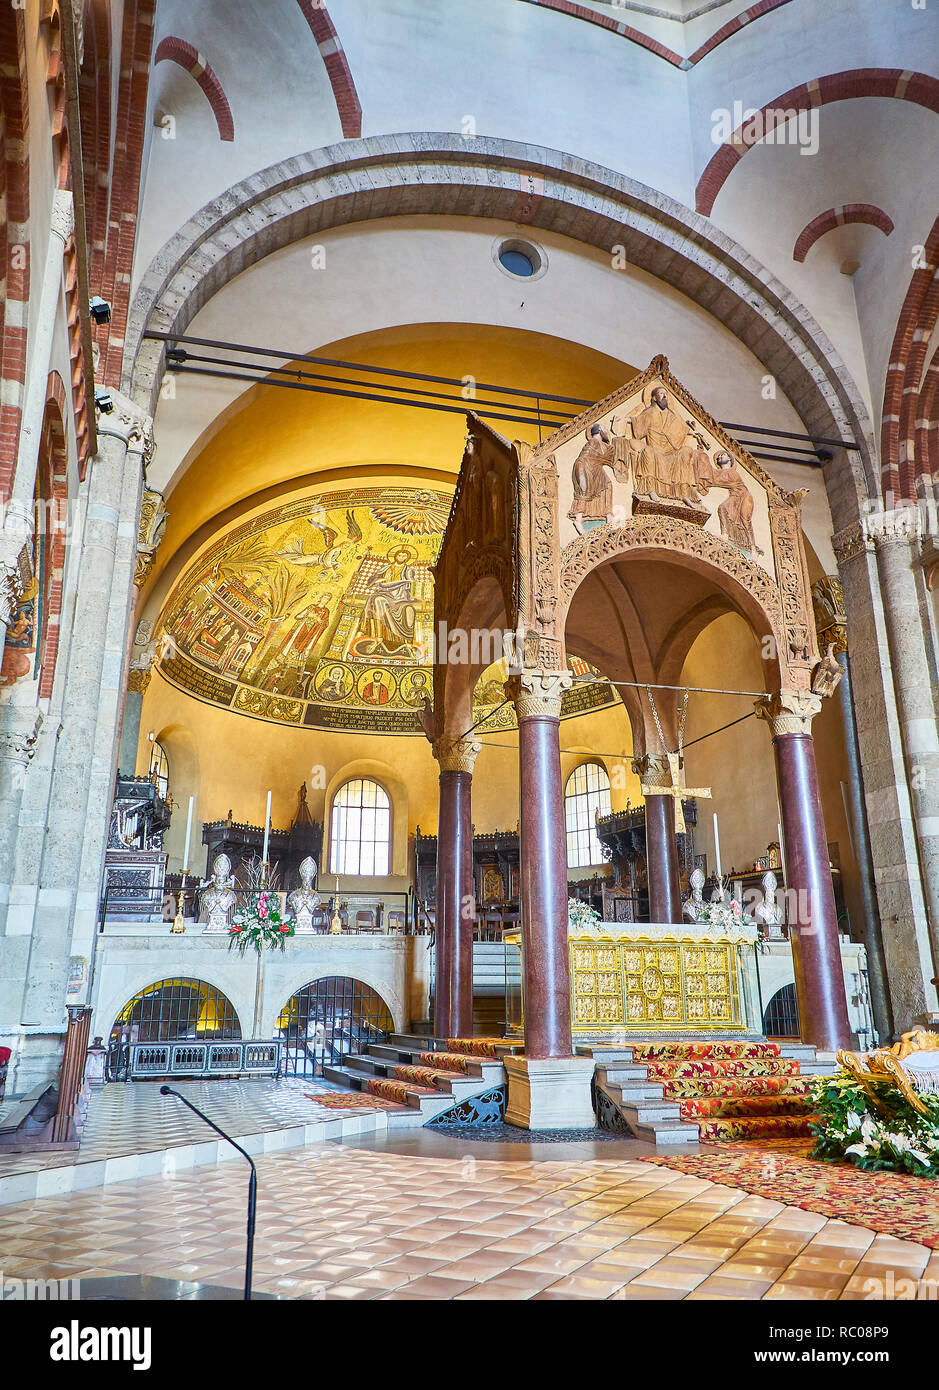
693	907
769	913
220	897
304	901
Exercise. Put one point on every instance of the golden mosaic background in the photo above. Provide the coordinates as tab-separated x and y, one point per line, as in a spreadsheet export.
320	614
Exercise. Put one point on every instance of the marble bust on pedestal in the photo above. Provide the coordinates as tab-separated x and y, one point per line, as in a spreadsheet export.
220	897
304	901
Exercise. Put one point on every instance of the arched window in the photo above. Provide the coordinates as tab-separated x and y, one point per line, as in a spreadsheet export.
360	829
586	793
159	770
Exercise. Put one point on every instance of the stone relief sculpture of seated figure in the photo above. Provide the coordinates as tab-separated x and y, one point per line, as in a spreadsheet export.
304	901
220	897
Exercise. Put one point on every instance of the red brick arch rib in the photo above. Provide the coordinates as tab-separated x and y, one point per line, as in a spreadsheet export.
916	87
51	527
337	66
177	50
900	462
927	420
14	235
839	217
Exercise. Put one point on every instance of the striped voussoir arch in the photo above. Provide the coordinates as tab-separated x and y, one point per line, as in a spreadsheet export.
849	214
908	396
337	66
176	50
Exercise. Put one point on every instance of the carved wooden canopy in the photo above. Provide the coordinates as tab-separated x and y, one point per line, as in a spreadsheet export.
618	539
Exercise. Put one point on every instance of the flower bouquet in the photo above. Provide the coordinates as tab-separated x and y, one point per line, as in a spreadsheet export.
847	1129
258	922
581	914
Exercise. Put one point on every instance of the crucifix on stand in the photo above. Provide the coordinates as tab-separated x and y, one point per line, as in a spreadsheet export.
675	763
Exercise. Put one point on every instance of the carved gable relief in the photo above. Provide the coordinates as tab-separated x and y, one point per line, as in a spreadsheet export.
641	453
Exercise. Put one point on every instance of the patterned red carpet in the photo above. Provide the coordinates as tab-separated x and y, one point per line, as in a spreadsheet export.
780	1169
350	1100
734	1090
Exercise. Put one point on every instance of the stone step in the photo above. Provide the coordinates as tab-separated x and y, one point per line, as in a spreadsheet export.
648	1112
417	1042
392	1054
369	1066
666	1133
344	1076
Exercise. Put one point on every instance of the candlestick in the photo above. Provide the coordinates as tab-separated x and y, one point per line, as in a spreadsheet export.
267	828
717	847
188	836
782	856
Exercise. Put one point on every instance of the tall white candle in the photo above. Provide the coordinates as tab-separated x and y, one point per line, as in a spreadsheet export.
267	827
188	836
782	852
717	848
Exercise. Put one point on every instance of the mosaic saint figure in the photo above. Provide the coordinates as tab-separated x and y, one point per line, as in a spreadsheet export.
390	612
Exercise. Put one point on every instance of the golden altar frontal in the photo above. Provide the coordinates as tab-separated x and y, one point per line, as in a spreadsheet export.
649	978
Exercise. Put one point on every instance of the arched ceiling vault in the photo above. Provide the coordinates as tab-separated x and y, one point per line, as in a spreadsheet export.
486	177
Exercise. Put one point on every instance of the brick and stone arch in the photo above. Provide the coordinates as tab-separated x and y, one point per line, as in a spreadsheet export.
52	524
337	66
916	87
661	50
14	236
901	462
176	50
847	214
439	173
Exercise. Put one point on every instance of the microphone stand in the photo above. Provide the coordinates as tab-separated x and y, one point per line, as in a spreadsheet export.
252	1181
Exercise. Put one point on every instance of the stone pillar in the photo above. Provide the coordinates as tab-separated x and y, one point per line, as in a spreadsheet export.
813	920
661	845
84	763
831	626
456	909
879	674
906	602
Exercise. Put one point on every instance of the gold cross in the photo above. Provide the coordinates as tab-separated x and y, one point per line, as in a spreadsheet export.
676	792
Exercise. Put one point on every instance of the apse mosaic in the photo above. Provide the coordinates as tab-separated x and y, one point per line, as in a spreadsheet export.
320	614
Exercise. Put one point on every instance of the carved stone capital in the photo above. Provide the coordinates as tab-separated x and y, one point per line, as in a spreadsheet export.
538	692
789	711
19	732
456	754
653	770
851	542
128	423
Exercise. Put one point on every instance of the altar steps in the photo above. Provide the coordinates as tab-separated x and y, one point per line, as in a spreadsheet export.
701	1092
415	1073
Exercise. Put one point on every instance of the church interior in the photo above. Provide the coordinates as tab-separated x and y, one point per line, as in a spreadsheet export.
469	697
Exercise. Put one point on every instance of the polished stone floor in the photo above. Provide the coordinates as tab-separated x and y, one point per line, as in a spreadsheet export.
420	1216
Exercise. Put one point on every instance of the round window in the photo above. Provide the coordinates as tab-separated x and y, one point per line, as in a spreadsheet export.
522	260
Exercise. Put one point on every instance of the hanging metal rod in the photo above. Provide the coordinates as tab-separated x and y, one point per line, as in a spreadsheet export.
357	395
158	336
361	367
178	356
651	685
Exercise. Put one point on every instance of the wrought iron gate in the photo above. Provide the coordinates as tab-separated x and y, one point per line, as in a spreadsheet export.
327	1020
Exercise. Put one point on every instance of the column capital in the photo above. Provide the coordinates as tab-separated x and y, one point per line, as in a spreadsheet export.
538	692
789	711
654	771
456	754
130	424
19	733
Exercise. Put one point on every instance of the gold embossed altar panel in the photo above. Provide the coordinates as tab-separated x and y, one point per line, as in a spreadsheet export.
642	984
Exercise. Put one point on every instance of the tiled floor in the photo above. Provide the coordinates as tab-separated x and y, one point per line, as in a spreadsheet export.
135	1118
359	1223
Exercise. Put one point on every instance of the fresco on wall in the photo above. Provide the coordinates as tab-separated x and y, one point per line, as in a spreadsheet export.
320	614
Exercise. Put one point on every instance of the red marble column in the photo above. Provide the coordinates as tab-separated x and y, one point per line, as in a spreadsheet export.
662	860
661	845
812	917
453	975
543	867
